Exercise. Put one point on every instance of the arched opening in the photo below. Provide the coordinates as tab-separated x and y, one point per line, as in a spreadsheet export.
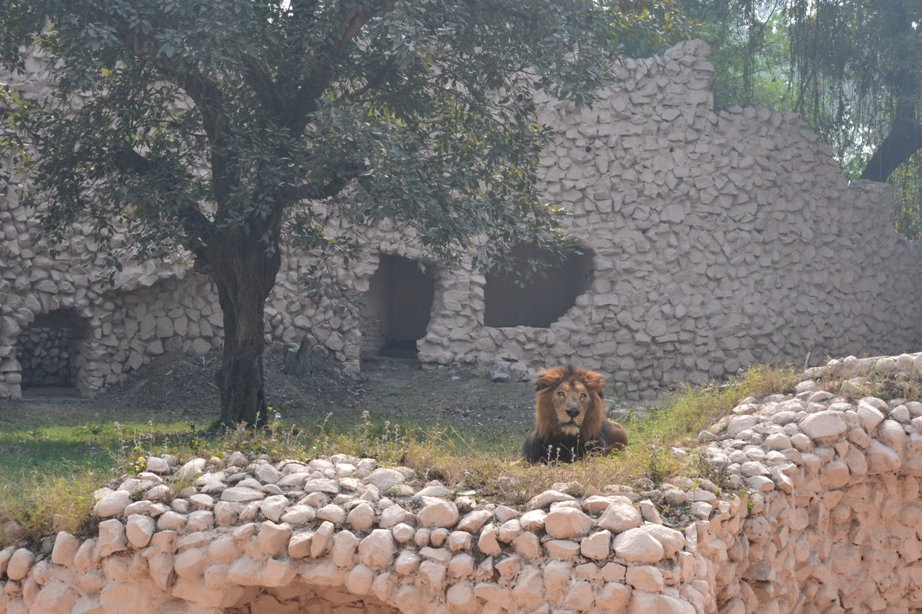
512	300
46	351
398	304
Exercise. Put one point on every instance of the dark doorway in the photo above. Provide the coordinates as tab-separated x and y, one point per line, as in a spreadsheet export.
47	350
398	304
510	299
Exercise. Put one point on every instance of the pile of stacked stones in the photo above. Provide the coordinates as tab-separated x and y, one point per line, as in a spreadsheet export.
374	533
44	354
820	512
834	509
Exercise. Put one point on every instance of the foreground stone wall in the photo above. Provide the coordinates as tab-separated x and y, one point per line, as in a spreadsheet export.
827	519
719	239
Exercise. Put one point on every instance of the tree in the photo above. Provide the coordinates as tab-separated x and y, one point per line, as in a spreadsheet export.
422	109
857	67
748	39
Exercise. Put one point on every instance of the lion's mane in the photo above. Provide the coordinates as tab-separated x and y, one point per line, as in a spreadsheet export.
547	443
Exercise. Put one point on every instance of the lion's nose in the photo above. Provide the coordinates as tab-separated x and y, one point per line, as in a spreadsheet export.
573	411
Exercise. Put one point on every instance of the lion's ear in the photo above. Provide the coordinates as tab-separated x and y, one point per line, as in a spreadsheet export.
549	378
593	381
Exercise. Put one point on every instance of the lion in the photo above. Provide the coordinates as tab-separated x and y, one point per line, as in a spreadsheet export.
570	418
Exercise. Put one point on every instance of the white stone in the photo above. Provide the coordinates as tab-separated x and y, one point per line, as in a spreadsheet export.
300	544
881	458
619	517
190	564
385	479
267	473
870	416
393	516
343	550
438	514
645	578
533	520
202	501
274	538
361	517
19	564
321	540
241	494
671	540
474	521
596	546
823	425
112	504
376	551
332	513
561	548
567	523
638	546
649	603
487	543
407	563
738	424
298	515
273	507
546	498
191	468
321	485
360	580
891	434
65	549
613	597
158	465
403	532
112	537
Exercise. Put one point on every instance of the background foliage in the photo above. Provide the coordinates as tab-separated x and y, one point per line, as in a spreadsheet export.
852	69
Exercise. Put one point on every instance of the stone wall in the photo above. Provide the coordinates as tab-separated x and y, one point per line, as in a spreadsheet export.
820	512
719	239
45	356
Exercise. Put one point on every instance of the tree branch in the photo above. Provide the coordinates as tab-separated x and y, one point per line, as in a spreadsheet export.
130	161
904	139
900	144
353	19
310	191
264	88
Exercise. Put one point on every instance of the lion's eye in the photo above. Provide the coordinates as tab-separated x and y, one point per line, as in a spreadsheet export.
560	393
583	396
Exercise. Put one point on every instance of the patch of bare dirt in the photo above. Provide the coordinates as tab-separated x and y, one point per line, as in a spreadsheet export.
178	387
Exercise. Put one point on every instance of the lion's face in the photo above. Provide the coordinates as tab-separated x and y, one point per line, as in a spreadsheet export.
569	402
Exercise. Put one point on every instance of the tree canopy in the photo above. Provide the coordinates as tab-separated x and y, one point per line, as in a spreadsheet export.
851	68
207	124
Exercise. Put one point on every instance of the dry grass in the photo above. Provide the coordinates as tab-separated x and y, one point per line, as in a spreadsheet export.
34	497
43	503
906	386
675	422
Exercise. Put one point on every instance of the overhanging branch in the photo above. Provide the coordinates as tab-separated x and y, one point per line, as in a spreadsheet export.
904	139
194	221
312	191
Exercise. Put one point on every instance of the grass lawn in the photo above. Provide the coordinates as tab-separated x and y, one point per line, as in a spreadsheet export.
49	470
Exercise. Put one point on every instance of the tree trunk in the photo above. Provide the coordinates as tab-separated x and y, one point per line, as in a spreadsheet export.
905	139
244	271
